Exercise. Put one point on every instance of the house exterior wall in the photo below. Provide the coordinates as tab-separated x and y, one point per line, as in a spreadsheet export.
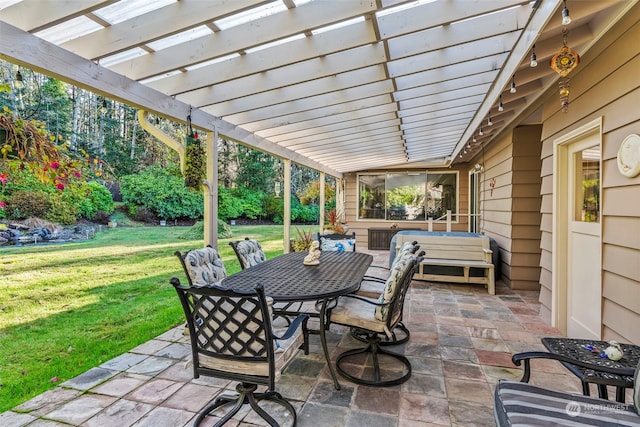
510	203
361	227
605	85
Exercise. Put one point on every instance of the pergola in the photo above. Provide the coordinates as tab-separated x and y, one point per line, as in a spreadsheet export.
334	85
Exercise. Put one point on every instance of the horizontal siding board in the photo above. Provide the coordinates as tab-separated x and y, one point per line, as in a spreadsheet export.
622	231
621	201
622	321
622	291
622	261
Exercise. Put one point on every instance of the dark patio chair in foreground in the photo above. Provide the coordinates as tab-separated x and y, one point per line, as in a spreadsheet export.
373	320
232	338
520	403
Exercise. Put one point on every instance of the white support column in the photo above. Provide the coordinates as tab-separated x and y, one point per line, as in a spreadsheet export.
321	203
448	220
210	188
286	216
340	199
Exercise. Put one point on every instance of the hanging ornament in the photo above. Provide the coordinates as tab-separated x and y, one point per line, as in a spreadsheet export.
195	165
563	63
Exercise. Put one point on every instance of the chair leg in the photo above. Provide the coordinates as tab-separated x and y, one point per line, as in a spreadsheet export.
375	349
404	337
246	394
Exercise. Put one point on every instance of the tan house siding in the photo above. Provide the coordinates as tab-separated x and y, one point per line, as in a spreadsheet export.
511	209
606	84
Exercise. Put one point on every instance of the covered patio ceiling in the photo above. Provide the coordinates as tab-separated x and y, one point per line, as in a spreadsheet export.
335	85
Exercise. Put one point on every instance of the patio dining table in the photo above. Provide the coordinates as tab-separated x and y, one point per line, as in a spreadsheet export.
286	279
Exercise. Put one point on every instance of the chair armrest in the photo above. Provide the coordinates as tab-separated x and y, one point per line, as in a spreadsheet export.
295	323
371	301
373	279
526	357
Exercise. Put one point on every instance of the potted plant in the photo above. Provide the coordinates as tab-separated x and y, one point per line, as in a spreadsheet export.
334	223
302	241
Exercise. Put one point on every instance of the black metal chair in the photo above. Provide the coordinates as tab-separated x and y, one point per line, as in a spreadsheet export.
375	319
232	338
249	252
526	404
337	242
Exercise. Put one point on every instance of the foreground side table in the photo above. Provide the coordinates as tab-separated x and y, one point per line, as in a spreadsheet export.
576	349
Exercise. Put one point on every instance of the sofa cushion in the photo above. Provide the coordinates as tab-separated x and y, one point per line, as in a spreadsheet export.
518	403
399	267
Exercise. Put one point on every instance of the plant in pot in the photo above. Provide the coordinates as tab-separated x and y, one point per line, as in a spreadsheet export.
334	223
302	241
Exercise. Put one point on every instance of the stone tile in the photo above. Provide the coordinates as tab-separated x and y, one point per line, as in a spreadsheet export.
15	419
90	378
165	417
493	374
426	365
314	415
520	336
469	391
151	366
47	401
191	397
124	362
179	372
174	351
455	341
489	344
121	413
121	384
155	391
81	409
173	335
420	407
458	353
453	330
450	320
422	350
47	423
495	358
149	347
487	333
461	370
470	414
430	385
376	399
359	419
325	393
294	387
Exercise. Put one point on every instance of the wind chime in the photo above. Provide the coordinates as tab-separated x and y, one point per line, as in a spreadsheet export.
564	61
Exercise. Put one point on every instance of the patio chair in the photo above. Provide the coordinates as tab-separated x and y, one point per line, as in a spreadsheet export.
232	338
203	267
338	242
248	251
375	319
525	404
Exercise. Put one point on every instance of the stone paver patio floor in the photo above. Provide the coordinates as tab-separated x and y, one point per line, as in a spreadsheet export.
461	344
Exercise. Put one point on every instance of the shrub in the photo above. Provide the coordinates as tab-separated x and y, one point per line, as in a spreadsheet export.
142	214
228	205
61	211
274	208
25	203
251	202
89	198
196	231
163	193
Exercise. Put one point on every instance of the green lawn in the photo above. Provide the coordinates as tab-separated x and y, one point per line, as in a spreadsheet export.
70	307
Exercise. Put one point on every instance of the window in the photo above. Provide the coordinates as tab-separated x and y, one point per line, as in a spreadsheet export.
412	196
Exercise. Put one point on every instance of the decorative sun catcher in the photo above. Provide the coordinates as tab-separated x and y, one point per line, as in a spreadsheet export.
564	62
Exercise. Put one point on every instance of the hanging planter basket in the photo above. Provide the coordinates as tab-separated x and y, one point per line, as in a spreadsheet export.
195	165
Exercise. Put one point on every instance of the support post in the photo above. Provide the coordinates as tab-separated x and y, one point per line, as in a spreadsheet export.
287	205
321	203
210	187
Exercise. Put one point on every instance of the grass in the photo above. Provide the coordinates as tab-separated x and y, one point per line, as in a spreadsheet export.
70	307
